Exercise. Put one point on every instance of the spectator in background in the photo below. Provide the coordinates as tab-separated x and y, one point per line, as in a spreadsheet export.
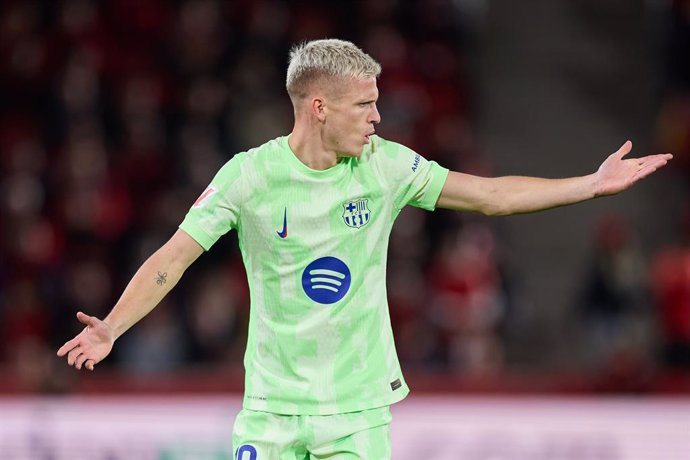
671	287
25	328
670	274
673	125
615	305
217	316
467	303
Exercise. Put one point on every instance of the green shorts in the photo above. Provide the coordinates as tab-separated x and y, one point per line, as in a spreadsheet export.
357	435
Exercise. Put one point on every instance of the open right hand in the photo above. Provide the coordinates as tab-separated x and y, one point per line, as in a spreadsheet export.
91	345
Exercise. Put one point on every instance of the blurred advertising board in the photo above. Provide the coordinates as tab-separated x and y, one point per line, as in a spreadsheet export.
424	427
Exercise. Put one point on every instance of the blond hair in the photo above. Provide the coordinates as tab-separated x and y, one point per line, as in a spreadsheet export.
328	58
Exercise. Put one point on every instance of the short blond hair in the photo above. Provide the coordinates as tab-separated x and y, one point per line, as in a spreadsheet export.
327	58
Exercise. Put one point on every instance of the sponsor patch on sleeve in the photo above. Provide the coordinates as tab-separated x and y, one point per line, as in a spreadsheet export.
204	197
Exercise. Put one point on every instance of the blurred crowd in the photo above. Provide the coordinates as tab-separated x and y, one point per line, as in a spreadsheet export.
115	115
671	266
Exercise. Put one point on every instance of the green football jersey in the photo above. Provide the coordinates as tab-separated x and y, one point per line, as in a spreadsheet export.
314	245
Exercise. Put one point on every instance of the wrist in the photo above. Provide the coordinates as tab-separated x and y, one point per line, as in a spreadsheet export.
114	332
594	186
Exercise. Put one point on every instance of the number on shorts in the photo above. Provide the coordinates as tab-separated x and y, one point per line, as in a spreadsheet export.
248	449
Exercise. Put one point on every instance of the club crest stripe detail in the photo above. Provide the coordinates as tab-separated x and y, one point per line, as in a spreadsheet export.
356	213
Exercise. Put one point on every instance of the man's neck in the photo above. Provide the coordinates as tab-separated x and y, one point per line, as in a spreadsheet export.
309	149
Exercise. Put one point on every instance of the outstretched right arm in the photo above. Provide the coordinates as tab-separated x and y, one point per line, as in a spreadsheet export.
154	279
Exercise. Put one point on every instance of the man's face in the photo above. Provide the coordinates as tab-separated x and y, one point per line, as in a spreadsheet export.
351	114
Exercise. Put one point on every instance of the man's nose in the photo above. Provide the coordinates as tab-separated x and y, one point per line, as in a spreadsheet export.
375	116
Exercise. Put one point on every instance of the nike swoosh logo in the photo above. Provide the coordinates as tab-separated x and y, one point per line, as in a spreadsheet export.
283	232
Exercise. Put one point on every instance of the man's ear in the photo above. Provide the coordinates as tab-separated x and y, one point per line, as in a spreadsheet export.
318	109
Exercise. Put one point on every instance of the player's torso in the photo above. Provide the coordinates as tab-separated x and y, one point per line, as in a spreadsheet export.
333	225
314	246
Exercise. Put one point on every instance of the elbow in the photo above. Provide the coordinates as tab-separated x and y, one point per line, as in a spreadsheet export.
495	212
495	202
172	260
496	209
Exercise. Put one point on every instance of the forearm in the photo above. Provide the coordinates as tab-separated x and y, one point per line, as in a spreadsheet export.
513	194
517	195
154	279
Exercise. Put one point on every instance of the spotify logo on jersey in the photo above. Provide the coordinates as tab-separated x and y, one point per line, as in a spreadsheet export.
326	280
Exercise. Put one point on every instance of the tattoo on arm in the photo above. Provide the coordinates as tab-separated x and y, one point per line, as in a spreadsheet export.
161	280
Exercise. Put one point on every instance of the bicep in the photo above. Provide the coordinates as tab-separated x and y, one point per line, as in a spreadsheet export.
465	192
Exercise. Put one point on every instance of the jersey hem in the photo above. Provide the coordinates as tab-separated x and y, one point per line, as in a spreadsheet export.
262	406
439	175
197	234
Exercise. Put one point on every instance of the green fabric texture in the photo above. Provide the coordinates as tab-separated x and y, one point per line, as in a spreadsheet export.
354	436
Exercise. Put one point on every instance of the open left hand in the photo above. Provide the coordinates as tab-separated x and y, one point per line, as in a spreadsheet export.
617	174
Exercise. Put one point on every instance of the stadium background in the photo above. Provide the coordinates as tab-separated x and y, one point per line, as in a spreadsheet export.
114	115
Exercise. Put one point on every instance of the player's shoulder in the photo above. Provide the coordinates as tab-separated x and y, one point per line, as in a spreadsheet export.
249	163
257	156
382	151
264	152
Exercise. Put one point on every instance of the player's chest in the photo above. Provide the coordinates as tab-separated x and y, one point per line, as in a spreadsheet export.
308	214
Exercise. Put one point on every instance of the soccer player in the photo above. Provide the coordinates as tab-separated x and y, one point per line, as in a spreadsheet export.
313	211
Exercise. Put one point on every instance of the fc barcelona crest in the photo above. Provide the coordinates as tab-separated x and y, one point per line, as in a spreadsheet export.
356	213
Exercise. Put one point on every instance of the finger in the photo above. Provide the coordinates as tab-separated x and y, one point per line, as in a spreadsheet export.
89	364
68	346
655	160
649	169
73	355
660	156
624	149
657	156
86	319
81	359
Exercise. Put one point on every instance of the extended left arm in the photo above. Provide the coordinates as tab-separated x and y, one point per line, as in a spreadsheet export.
516	194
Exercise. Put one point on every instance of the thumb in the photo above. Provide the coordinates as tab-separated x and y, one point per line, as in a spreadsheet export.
86	319
624	149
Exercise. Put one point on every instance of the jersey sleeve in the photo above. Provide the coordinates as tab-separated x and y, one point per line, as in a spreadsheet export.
217	210
413	179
